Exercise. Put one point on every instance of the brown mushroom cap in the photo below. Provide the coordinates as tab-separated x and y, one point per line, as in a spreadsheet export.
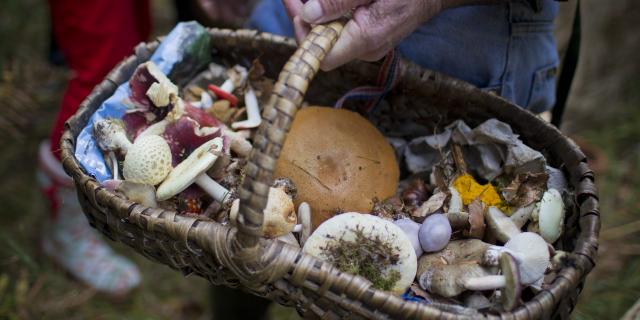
338	161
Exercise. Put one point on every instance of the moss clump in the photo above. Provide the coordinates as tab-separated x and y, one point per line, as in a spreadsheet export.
365	256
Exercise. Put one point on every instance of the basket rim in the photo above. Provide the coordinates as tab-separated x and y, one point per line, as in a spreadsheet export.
412	77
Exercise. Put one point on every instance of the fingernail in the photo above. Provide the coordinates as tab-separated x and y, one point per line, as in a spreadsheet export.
312	11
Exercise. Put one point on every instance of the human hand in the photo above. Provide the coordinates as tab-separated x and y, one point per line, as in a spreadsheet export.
376	27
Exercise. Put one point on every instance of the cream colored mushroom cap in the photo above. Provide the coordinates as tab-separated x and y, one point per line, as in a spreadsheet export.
550	212
186	172
535	252
342	226
148	161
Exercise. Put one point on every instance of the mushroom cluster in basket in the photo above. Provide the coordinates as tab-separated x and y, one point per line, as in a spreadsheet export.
474	225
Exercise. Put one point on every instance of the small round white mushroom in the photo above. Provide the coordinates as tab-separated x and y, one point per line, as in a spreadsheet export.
434	233
345	227
148	160
193	170
411	229
548	216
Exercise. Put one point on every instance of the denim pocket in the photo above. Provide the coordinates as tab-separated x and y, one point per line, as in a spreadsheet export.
542	95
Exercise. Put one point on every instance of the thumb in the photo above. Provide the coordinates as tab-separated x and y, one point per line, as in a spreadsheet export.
319	11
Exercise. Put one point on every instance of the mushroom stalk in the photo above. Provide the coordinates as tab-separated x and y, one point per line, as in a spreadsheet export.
239	144
485	283
114	165
500	225
522	215
213	188
253	111
304	217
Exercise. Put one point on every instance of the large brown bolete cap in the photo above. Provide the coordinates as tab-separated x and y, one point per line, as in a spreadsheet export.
338	160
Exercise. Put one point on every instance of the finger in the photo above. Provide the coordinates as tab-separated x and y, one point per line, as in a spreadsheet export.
319	11
351	44
293	7
300	28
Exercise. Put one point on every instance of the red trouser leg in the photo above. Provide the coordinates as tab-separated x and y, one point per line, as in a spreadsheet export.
93	36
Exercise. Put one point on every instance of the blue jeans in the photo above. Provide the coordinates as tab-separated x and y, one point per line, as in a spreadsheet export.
508	49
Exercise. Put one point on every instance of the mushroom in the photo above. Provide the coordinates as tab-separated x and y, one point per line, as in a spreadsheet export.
548	216
279	213
253	111
151	89
500	226
529	249
193	170
304	219
148	160
185	135
205	101
111	136
137	192
509	281
411	229
366	245
434	233
239	143
444	272
455	203
471	223
337	160
237	77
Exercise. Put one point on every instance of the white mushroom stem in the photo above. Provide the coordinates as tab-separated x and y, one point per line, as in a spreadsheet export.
304	217
205	101
228	86
253	111
500	225
239	144
522	215
213	188
114	165
485	283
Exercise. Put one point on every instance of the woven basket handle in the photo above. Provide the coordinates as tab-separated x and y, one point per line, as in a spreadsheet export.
277	116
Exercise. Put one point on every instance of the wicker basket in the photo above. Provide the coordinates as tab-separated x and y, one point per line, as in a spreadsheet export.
241	258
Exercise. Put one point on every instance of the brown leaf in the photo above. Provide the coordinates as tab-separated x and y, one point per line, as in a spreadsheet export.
435	203
525	189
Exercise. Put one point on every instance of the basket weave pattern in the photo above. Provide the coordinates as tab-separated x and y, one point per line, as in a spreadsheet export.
241	258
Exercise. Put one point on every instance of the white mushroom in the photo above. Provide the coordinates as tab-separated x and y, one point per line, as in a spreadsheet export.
239	143
111	136
509	282
351	230
237	77
304	219
163	92
253	111
193	170
148	160
531	252
137	192
548	216
455	204
205	101
279	214
500	226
